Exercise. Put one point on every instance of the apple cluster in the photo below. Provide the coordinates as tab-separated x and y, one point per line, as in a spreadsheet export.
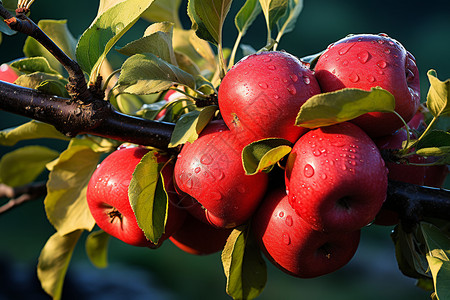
308	220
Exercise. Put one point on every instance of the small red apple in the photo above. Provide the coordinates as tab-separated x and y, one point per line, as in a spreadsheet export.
210	170
107	197
336	178
364	61
263	92
7	73
293	246
198	238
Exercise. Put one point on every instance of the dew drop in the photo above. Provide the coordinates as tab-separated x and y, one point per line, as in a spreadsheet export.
206	159
215	196
242	189
286	239
387	50
306	80
382	64
281	214
197	170
267	59
263	85
291	89
380	72
370	78
308	171
363	56
353	77
345	63
323	176
294	77
271	67
344	168
218	174
289	221
345	49
317	152
381	42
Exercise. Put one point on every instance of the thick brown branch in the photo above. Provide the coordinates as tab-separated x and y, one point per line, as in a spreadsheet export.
73	118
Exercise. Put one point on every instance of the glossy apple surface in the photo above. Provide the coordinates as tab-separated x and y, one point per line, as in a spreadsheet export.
293	246
365	61
7	73
210	170
263	93
336	178
107	197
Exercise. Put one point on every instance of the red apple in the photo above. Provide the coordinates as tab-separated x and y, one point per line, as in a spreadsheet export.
263	92
364	61
293	246
7	73
198	238
107	197
210	170
336	178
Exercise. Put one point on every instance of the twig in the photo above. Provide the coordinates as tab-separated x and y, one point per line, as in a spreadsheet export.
20	195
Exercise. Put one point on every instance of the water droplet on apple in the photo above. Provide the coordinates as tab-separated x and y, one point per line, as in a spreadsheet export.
370	78
294	77
291	89
345	63
317	152
286	239
382	64
218	174
353	77
387	50
345	49
267	59
215	196
197	170
308	171
281	214
289	221
206	159
381	42
263	85
363	56
271	67
242	189
323	176
344	167
306	80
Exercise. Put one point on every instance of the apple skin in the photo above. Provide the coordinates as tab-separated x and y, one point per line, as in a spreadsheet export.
364	61
198	238
210	170
336	178
263	93
293	246
107	197
7	74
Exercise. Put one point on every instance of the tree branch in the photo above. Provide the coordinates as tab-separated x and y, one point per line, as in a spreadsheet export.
20	195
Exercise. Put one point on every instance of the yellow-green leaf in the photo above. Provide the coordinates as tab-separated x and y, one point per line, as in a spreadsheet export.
438	95
263	154
164	10
66	204
54	261
97	248
28	131
343	105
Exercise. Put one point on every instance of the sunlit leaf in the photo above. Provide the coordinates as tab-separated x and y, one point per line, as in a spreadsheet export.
24	165
438	95
105	31
287	23
54	261
243	265
148	198
66	204
34	64
191	124
28	131
146	74
58	31
263	154
97	248
343	105
164	10
34	80
273	10
246	15
186	64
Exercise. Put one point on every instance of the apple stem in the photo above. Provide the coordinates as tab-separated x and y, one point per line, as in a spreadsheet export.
113	214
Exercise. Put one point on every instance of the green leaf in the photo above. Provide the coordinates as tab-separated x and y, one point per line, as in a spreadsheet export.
58	31
191	124
146	74
157	40
148	198
105	31
97	248
34	64
54	261
435	143
28	131
246	15
263	154
164	10
97	144
243	265
66	204
438	245
34	80
438	95
186	64
24	165
11	6
273	10
343	105
287	23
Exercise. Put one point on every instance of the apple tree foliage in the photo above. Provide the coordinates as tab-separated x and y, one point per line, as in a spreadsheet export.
192	62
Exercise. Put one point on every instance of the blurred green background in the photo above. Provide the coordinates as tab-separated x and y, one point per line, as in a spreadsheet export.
168	273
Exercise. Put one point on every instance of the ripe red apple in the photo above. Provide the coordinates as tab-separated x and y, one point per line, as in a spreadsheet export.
198	238
210	170
293	246
336	178
7	73
365	61
263	92
107	197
